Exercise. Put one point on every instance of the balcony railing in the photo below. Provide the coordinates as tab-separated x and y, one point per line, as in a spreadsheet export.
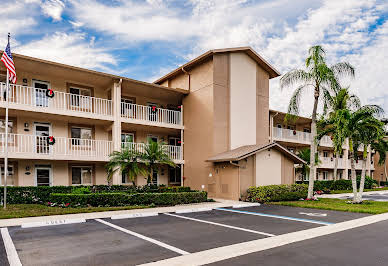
151	115
174	152
328	162
36	98
289	135
37	147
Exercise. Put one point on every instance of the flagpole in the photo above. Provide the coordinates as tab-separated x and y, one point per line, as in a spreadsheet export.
6	138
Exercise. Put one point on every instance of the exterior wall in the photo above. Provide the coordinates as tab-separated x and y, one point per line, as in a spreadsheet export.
268	168
247	175
288	172
224	183
243	97
262	106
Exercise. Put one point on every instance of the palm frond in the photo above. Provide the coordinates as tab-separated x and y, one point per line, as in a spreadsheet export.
295	77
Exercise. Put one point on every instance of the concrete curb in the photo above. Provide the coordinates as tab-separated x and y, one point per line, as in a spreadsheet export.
109	214
330	196
231	251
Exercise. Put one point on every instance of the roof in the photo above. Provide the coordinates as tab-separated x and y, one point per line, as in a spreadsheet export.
96	72
273	73
249	150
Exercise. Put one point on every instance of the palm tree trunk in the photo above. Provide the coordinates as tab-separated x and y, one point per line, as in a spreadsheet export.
362	181
313	146
336	165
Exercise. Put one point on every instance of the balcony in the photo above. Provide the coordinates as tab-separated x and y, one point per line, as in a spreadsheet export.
22	146
146	115
328	162
35	99
294	136
175	152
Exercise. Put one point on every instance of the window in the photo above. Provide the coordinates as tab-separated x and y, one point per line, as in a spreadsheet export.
279	125
325	154
41	98
317	177
290	127
81	136
80	97
306	130
2	126
127	137
325	175
174	175
10	177
152	138
340	175
154	179
173	141
81	175
291	150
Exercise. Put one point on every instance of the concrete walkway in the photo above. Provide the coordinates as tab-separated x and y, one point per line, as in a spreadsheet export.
336	196
220	203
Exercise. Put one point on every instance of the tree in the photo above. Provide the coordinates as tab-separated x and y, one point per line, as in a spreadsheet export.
322	79
362	129
335	120
155	154
304	154
126	162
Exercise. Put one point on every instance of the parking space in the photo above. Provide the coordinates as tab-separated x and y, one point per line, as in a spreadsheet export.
366	245
133	241
3	254
90	243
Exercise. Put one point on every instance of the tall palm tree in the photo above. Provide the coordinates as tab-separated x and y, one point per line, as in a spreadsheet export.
336	119
155	154
126	162
320	78
361	128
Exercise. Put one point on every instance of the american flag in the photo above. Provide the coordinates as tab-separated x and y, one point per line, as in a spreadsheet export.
8	62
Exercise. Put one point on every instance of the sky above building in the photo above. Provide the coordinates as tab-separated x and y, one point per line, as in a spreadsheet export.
146	39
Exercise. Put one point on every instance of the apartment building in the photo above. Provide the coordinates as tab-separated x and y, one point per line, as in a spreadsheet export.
295	136
89	115
212	114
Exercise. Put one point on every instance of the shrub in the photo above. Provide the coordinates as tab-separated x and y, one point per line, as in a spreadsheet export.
277	193
33	195
341	184
122	199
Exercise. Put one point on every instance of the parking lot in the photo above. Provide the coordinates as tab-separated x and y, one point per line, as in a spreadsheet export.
133	241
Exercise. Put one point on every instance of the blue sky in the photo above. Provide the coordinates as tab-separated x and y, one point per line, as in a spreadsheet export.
146	39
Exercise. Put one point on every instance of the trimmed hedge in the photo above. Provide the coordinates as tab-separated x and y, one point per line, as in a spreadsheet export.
340	184
277	193
122	199
33	195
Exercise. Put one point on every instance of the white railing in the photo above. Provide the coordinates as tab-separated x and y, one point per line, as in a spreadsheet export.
61	101
328	162
147	113
174	152
290	135
63	148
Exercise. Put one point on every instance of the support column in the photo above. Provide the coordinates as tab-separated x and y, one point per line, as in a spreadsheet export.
182	165
116	127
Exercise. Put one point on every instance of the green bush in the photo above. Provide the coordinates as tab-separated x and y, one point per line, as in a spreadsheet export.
277	193
122	199
33	195
341	184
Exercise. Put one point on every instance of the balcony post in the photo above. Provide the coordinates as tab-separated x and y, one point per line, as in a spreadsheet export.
116	128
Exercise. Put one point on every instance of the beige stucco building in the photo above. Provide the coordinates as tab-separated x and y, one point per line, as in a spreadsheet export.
212	105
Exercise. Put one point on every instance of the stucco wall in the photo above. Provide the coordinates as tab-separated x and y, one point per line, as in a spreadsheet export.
268	168
242	100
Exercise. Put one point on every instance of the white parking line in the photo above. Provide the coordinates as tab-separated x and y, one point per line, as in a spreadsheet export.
13	257
223	225
154	241
193	210
134	215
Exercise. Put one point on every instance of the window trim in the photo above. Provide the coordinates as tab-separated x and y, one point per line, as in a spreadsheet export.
10	165
46	167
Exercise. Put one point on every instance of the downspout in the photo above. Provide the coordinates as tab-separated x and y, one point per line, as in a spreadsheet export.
189	77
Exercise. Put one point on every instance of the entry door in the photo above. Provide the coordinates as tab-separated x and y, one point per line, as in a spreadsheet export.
40	88
43	176
42	132
155	178
152	116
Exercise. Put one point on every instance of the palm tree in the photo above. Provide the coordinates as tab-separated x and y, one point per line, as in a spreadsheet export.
126	162
155	154
305	154
336	119
322	79
362	128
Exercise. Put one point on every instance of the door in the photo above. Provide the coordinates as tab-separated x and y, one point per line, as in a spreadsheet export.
153	111
154	180
42	132
174	150
43	176
127	108
40	88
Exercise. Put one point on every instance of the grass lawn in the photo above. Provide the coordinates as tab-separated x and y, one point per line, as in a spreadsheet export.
372	207
31	210
351	191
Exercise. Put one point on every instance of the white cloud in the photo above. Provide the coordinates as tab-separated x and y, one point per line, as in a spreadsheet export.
73	49
53	9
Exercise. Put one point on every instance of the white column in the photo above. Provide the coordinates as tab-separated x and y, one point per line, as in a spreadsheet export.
116	127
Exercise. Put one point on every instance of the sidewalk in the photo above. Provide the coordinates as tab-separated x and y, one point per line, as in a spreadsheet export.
220	203
334	196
